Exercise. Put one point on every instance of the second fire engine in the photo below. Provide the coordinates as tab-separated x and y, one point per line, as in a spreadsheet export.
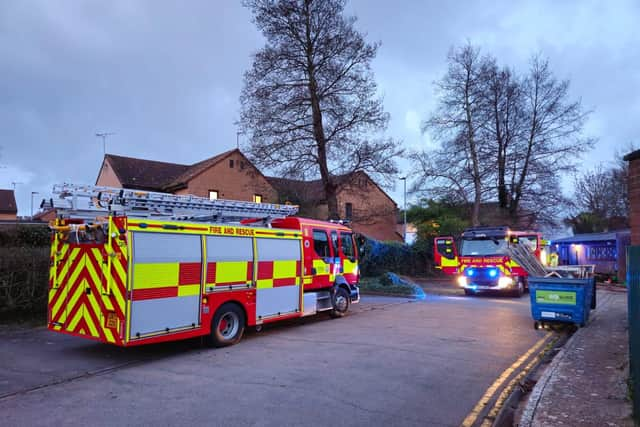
484	261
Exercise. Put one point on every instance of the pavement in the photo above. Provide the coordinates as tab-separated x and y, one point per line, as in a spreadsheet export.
586	382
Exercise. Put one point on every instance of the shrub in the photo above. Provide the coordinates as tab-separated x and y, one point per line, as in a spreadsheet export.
24	275
377	258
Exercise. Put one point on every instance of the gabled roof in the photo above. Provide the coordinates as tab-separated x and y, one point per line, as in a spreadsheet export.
197	168
313	191
160	176
144	174
8	202
592	237
632	156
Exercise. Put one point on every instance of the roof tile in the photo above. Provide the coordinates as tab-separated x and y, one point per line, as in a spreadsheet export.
8	202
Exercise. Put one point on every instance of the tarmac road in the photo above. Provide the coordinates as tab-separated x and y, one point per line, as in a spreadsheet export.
392	361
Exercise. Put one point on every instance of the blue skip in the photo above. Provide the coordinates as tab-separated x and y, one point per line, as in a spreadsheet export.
560	299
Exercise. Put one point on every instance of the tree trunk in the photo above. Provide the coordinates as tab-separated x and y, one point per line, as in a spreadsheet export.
318	129
473	149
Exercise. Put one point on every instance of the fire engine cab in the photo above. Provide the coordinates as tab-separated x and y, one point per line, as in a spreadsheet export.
484	260
130	267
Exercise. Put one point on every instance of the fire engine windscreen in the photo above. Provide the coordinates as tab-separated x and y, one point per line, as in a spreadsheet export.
485	246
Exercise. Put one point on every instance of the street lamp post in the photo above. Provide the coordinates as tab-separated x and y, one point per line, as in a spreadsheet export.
404	221
33	193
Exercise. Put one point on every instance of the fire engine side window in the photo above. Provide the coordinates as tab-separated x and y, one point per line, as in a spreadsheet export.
445	248
321	243
346	243
334	242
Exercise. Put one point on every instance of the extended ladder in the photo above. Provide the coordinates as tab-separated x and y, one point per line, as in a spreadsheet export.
92	202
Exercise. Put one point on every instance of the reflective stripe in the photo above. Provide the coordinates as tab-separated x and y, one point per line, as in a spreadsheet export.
188	290
155	275
227	272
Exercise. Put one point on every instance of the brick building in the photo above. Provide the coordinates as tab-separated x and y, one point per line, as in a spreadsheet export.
634	195
8	206
230	175
360	200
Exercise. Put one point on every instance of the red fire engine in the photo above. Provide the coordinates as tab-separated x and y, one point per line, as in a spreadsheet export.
131	267
483	262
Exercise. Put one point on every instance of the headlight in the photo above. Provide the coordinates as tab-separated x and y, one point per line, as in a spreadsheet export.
462	281
505	282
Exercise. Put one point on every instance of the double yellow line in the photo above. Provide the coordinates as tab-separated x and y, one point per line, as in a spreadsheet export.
482	403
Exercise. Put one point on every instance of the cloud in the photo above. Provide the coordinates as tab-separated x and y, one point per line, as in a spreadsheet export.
166	76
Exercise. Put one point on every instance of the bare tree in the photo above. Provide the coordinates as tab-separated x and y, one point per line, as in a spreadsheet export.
309	102
503	137
456	124
552	140
601	196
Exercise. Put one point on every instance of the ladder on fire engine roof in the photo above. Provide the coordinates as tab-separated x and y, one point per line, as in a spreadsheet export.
526	259
91	203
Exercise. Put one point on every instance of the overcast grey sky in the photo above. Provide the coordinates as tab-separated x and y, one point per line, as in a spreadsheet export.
165	76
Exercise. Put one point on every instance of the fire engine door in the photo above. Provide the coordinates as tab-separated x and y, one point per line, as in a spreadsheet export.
279	277
166	282
445	254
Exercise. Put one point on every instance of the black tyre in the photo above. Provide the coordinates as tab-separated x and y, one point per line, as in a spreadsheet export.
469	292
227	326
518	291
341	302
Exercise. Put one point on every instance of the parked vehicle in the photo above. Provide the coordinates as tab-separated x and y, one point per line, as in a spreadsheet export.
131	267
483	261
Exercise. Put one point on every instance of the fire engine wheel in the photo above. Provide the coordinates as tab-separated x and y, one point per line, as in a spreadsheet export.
518	291
341	302
227	325
469	292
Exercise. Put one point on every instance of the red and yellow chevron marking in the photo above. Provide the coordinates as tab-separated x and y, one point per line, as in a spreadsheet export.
87	289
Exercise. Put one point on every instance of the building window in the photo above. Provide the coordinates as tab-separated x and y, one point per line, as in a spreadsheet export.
231	163
348	210
213	194
257	198
602	253
241	164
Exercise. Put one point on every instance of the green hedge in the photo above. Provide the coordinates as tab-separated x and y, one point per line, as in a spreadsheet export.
24	271
24	276
377	258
